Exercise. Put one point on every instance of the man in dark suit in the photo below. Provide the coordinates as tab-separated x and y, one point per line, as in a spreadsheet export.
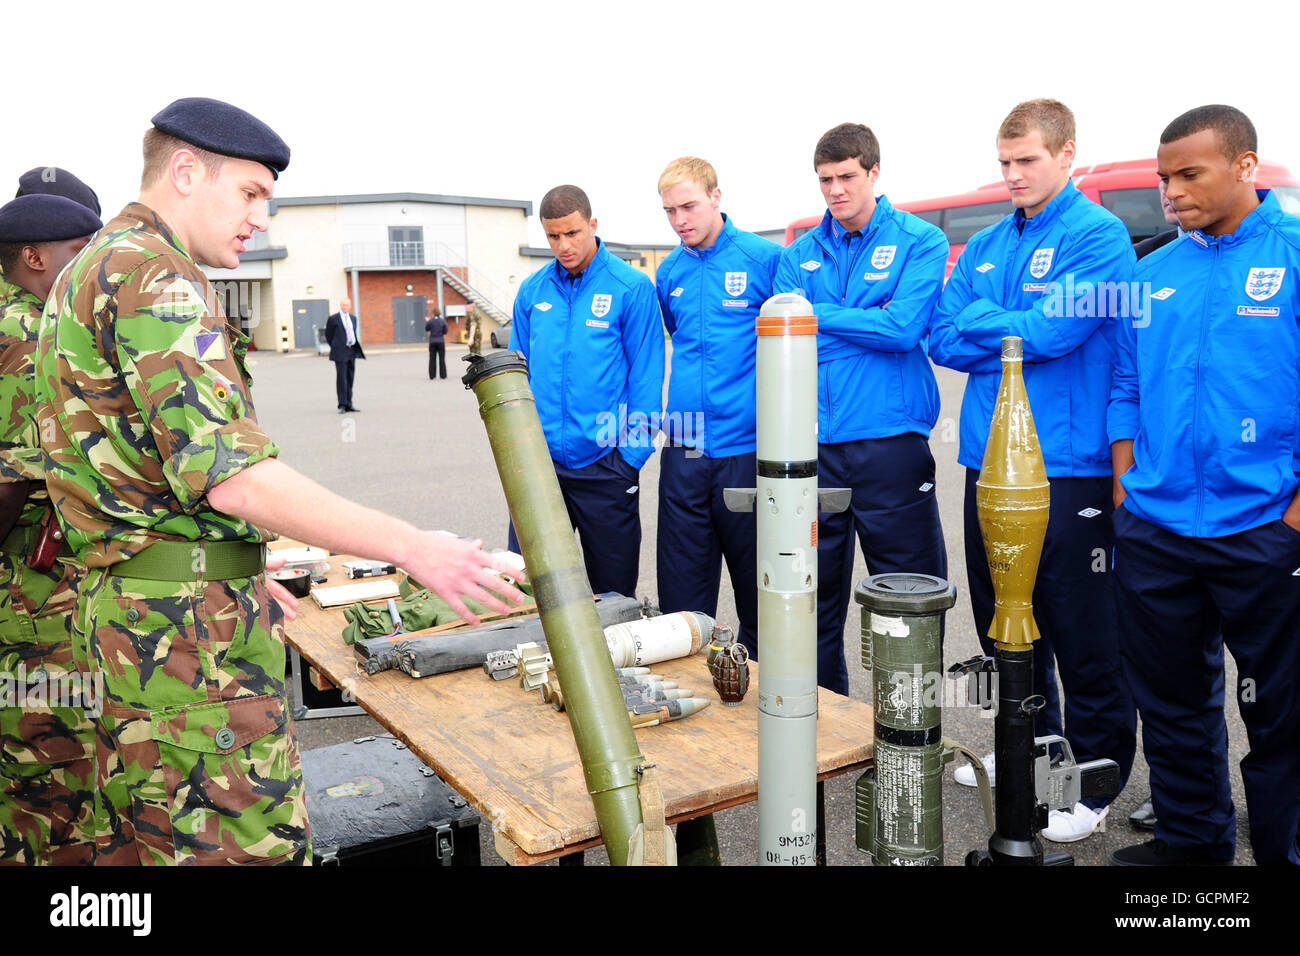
345	348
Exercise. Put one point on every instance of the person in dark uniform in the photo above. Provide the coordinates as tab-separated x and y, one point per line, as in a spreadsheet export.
437	329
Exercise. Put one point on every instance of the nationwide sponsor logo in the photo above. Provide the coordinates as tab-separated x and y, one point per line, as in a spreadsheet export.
985	267
875	276
600	305
882	256
597	324
1163	294
676	292
810	265
543	307
735	303
735	283
1041	262
1089	513
1258	310
1262	284
1034	287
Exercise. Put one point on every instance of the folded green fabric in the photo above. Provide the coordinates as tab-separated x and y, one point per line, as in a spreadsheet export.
418	607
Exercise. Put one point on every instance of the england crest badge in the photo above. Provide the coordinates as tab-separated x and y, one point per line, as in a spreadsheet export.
600	305
735	282
882	256
1041	262
1263	284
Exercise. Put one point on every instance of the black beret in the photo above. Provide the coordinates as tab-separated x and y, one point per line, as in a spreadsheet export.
221	128
45	218
57	182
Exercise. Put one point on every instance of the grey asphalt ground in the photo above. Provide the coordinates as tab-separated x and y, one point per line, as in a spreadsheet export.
417	449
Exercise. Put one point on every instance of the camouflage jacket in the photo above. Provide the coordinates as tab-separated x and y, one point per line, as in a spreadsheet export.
143	395
20	452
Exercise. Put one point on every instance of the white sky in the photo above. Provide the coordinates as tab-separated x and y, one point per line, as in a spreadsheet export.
506	99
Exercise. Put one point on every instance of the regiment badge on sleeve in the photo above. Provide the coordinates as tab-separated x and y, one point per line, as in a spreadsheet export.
735	282
882	256
1041	262
600	305
1262	284
209	346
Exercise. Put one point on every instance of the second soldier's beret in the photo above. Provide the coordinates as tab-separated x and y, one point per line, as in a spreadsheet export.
57	182
45	218
221	128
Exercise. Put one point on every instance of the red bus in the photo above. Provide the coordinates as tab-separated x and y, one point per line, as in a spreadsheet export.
1127	189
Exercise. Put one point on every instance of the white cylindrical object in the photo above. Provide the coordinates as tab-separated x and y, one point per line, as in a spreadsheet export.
654	639
786	510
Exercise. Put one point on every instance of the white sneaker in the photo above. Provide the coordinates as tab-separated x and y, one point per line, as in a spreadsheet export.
1066	827
965	774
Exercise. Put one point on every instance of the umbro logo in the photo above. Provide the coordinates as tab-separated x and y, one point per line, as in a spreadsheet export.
1296	573
927	486
810	265
1164	293
543	307
985	267
1089	513
676	292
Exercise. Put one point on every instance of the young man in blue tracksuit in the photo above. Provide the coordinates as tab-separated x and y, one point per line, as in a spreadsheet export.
1053	272
872	274
1203	420
589	326
710	290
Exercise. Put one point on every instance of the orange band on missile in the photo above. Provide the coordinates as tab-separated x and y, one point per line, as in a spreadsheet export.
787	325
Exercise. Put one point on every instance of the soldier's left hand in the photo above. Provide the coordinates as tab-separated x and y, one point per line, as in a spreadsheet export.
288	603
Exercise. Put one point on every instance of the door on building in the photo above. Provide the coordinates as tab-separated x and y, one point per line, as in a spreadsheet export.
308	316
408	318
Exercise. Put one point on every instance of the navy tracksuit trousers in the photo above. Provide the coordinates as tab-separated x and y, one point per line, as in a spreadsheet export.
604	504
1074	608
1183	598
895	513
696	531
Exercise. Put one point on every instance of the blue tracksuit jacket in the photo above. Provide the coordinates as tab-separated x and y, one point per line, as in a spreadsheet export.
710	299
595	351
1208	384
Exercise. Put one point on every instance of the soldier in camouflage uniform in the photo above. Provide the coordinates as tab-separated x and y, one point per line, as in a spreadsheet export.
47	779
167	487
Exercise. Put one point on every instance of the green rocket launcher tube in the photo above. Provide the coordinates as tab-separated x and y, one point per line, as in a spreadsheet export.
592	698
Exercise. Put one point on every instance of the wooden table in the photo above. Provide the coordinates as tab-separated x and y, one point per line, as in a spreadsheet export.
513	757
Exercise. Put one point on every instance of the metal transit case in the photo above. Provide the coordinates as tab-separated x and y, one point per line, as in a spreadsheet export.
1012	498
786	504
598	715
899	806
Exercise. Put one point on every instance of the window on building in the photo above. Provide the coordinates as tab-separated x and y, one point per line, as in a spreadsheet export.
406	245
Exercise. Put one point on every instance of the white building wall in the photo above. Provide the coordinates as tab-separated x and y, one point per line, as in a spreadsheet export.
313	268
493	235
369	222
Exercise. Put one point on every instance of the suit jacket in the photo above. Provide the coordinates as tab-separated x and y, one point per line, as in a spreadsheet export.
337	339
1148	246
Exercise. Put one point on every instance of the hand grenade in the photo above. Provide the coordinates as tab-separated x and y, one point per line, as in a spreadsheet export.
730	669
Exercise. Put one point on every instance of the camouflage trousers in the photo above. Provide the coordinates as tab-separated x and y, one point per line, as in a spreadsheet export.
196	757
47	770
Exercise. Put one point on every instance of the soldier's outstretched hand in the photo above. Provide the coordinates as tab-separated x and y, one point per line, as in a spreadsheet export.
456	569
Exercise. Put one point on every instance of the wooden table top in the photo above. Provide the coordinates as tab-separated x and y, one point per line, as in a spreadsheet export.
514	759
